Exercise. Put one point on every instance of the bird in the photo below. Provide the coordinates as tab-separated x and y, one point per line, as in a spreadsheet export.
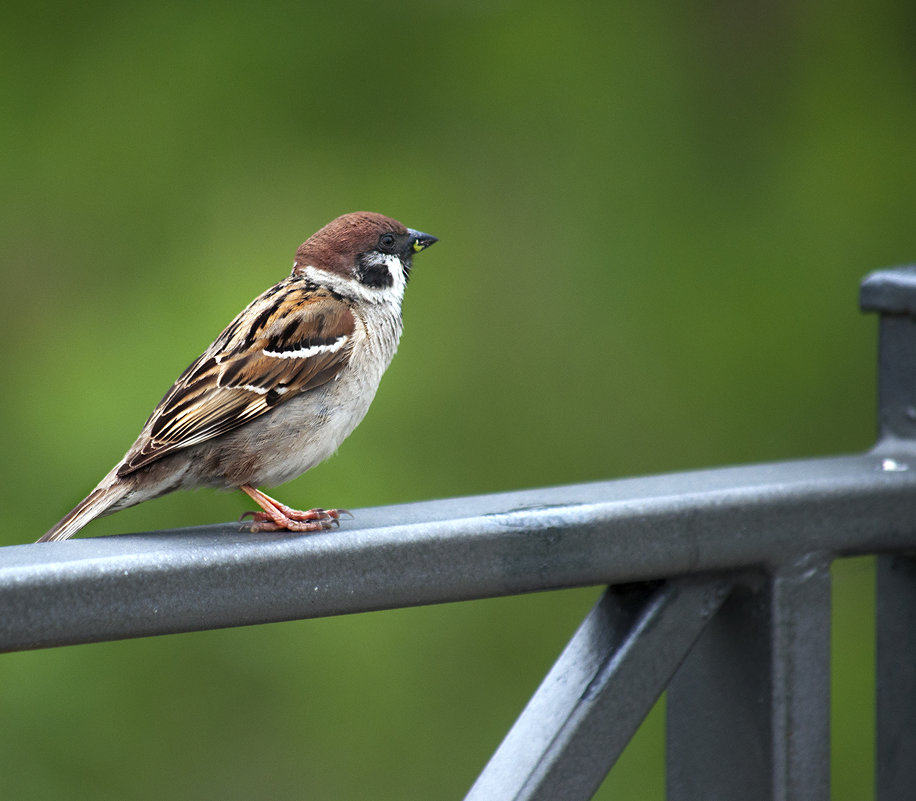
281	387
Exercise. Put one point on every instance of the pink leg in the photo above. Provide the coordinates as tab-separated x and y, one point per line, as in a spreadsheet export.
279	517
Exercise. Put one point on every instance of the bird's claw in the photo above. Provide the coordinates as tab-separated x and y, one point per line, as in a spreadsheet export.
287	519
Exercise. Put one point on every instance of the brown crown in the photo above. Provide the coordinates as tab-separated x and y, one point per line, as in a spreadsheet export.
336	246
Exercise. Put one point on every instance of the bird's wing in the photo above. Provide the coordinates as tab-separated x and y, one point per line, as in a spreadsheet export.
286	342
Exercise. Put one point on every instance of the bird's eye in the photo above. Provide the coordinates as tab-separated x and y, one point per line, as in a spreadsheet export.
386	241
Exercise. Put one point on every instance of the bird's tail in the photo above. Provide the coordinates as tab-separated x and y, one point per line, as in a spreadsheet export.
97	503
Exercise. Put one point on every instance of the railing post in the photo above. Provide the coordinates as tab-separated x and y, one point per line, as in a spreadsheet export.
749	710
895	679
892	293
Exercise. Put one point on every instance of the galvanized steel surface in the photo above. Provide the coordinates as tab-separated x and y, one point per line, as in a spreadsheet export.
603	533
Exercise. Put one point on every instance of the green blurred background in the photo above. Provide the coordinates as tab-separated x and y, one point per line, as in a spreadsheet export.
653	221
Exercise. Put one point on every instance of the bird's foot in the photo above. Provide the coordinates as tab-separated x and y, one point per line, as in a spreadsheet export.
280	517
311	520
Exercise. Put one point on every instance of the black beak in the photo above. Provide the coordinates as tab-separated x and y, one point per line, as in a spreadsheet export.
420	241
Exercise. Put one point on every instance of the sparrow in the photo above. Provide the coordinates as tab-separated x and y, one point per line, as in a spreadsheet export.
281	387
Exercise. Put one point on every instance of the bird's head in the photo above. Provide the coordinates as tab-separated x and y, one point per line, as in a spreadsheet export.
362	254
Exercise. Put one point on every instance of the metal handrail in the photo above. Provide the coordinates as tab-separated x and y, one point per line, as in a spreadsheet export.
134	585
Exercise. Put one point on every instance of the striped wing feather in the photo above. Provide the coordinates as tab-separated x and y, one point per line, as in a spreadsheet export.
288	341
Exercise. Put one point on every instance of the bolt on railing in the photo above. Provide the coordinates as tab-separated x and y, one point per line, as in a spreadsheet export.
720	592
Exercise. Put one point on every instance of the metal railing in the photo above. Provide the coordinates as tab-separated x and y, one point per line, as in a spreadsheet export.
719	592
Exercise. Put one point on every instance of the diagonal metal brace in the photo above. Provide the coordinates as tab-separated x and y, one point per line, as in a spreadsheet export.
599	691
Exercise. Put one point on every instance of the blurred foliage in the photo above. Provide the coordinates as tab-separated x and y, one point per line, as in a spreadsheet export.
653	221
